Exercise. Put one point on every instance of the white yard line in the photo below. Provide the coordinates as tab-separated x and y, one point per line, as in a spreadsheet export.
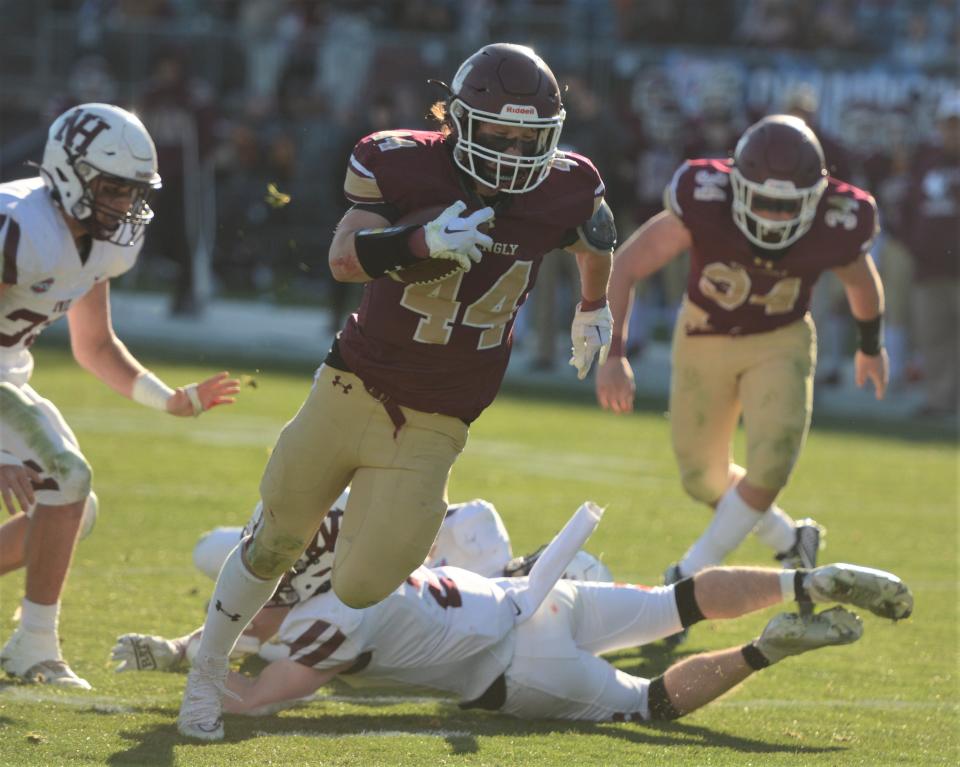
368	734
107	704
93	702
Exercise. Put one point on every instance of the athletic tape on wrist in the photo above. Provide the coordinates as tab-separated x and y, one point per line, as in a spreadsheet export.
194	396
150	391
9	459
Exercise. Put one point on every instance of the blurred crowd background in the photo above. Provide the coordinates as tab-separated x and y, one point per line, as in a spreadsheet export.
240	94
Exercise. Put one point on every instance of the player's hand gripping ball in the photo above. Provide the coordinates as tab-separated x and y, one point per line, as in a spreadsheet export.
453	242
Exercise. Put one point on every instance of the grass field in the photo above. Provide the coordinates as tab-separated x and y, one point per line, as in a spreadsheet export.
888	497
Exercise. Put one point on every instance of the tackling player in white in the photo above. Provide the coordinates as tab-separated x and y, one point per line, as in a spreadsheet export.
456	631
63	236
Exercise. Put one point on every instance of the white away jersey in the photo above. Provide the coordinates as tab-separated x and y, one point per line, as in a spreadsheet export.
43	271
447	629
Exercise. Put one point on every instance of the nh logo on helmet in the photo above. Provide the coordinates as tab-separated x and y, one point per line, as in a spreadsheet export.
78	131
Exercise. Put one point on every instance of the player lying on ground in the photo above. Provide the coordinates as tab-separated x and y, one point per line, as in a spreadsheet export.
472	536
455	631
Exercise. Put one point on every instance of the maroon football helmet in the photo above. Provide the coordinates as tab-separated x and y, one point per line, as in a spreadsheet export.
778	168
505	84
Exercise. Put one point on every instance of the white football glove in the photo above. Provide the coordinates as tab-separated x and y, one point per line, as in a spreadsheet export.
458	239
139	652
591	333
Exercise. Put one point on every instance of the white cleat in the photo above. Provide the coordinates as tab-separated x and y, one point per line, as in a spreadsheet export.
35	657
880	592
201	712
791	634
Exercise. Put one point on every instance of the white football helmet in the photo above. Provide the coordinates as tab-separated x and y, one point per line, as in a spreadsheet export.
473	537
586	567
93	141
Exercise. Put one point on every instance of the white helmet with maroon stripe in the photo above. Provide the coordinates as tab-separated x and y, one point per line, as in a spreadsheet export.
93	141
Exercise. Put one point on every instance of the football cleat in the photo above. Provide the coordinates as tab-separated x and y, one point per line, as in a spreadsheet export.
35	657
808	542
791	634
55	672
201	712
670	576
880	592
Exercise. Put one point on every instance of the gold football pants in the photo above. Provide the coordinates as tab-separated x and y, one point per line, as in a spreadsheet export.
342	435
768	377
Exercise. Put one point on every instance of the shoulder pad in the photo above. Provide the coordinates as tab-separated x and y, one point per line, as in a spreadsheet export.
599	232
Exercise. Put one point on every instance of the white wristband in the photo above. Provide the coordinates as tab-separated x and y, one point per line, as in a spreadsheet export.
194	396
9	459
151	391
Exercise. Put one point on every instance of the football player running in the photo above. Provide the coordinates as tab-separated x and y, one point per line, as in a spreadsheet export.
390	407
63	236
761	228
451	629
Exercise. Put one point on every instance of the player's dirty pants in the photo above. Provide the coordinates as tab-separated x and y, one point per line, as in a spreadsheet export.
34	431
341	436
767	376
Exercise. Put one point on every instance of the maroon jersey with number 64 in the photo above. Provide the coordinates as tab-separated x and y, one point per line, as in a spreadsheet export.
744	289
444	347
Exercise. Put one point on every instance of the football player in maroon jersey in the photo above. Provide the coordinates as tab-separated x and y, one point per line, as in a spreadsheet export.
761	228
419	361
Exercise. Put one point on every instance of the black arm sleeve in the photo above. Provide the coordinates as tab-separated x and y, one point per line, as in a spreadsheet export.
384	209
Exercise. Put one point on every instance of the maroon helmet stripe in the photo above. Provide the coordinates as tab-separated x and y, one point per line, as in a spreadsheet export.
10	244
309	636
324	651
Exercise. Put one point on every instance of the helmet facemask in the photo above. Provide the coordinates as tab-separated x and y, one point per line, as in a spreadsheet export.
100	165
102	220
482	156
774	195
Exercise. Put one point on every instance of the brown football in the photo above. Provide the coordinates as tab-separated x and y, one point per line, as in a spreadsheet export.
427	270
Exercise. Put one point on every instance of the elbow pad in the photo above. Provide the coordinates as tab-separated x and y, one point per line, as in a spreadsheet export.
599	232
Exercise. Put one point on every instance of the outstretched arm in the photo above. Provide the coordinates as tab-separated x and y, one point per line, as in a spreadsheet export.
280	684
98	349
865	294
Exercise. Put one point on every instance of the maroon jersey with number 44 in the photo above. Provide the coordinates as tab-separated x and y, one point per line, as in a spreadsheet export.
444	347
742	288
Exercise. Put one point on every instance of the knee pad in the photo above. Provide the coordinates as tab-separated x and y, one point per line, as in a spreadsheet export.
356	598
700	486
359	593
89	519
73	476
271	559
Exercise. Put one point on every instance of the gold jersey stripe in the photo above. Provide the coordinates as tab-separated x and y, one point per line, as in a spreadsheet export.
361	188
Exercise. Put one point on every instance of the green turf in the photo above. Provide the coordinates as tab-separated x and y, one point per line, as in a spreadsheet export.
889	500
